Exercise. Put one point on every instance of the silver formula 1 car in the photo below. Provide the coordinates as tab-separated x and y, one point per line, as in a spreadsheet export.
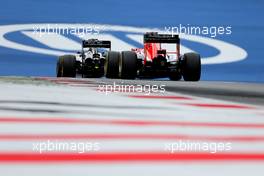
89	62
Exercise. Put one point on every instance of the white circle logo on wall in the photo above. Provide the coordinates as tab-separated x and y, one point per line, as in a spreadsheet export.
57	44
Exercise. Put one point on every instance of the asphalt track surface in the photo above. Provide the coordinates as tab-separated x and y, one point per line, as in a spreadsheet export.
251	93
137	132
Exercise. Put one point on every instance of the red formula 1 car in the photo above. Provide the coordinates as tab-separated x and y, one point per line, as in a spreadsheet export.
154	60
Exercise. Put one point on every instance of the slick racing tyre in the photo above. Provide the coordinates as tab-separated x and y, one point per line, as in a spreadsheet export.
191	67
66	66
112	64
128	65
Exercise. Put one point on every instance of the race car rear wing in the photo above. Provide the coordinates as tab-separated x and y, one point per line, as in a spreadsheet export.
154	37
95	43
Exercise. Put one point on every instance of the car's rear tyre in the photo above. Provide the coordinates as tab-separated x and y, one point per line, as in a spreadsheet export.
66	66
191	67
112	64
128	65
